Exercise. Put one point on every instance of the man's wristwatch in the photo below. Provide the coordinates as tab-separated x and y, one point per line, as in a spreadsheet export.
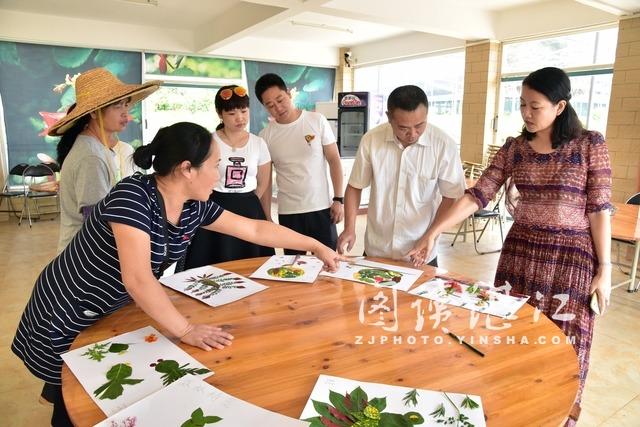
339	199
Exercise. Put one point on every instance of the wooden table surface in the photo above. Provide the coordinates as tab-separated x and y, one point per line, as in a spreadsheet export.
625	223
287	335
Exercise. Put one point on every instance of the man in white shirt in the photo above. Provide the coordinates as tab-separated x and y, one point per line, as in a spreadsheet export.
415	175
301	143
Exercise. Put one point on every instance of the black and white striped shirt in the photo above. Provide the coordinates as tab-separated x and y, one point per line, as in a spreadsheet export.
84	283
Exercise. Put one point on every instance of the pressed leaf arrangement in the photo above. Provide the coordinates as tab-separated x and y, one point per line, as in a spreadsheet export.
117	377
207	285
199	419
356	409
411	398
99	351
172	371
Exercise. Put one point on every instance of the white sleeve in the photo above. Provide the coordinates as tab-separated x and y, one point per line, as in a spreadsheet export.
263	151
450	174
361	172
327	133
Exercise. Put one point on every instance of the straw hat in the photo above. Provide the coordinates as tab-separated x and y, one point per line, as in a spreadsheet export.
96	89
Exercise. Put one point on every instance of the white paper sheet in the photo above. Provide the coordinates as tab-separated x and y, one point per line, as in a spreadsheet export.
213	286
149	356
406	402
474	298
377	274
290	268
191	398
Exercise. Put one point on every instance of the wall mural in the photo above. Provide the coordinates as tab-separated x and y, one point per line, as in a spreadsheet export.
308	85
36	85
162	64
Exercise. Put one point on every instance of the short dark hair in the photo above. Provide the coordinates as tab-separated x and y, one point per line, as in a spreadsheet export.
235	102
554	84
268	81
406	98
173	145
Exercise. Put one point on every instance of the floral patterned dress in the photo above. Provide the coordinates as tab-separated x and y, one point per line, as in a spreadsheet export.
549	252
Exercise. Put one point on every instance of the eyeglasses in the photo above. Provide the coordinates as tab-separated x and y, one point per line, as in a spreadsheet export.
227	93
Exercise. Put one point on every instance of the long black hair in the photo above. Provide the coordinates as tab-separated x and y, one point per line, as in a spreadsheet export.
555	85
69	137
173	145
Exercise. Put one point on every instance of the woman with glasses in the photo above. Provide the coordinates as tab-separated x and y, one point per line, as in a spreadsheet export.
245	177
89	163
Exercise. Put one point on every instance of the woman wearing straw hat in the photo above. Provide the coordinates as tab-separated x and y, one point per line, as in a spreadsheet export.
142	225
86	149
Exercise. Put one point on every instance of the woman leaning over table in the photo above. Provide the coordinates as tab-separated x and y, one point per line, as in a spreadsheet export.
558	249
86	150
140	227
245	176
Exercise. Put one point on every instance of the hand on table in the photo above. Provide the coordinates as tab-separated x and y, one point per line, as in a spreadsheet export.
206	337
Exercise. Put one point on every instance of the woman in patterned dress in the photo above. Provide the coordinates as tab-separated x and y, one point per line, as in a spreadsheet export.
142	225
558	249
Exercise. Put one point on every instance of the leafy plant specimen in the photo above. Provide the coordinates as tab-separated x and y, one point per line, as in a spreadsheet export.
377	275
355	409
118	376
285	272
198	419
484	297
460	419
207	285
451	287
99	351
172	371
469	403
411	398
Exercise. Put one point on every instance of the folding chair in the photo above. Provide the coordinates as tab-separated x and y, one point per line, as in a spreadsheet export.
10	192
487	215
633	200
34	191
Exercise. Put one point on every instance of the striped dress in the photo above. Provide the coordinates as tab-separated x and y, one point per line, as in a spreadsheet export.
84	284
549	253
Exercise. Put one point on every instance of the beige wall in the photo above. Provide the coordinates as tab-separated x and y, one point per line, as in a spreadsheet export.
481	78
623	124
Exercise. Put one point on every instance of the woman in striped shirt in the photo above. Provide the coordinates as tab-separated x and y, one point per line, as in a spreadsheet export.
143	225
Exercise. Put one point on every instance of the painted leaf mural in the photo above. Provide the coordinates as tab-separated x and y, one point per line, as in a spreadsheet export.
31	73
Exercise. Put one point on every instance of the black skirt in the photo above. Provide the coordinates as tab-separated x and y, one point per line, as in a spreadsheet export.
208	247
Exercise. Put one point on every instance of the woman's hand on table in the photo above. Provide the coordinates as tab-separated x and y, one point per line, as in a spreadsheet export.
206	337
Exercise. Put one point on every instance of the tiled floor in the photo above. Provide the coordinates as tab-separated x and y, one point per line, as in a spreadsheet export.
611	398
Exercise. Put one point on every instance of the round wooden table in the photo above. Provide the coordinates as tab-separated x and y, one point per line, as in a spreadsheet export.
287	335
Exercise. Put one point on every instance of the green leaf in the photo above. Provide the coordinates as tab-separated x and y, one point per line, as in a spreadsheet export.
380	403
211	419
358	399
118	348
393	420
188	423
338	401
198	416
118	375
469	403
71	57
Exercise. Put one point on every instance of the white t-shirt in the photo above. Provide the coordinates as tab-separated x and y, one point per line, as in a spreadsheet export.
301	169
407	185
239	166
123	160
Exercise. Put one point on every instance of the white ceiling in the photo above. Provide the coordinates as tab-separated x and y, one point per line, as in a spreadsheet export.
218	26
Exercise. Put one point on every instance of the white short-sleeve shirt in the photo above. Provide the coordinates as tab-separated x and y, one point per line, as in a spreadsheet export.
239	166
298	158
407	185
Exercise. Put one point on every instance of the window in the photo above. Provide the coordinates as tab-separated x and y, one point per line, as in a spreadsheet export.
441	77
588	59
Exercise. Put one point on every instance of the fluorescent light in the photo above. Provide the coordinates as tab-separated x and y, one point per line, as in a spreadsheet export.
142	2
322	26
605	7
